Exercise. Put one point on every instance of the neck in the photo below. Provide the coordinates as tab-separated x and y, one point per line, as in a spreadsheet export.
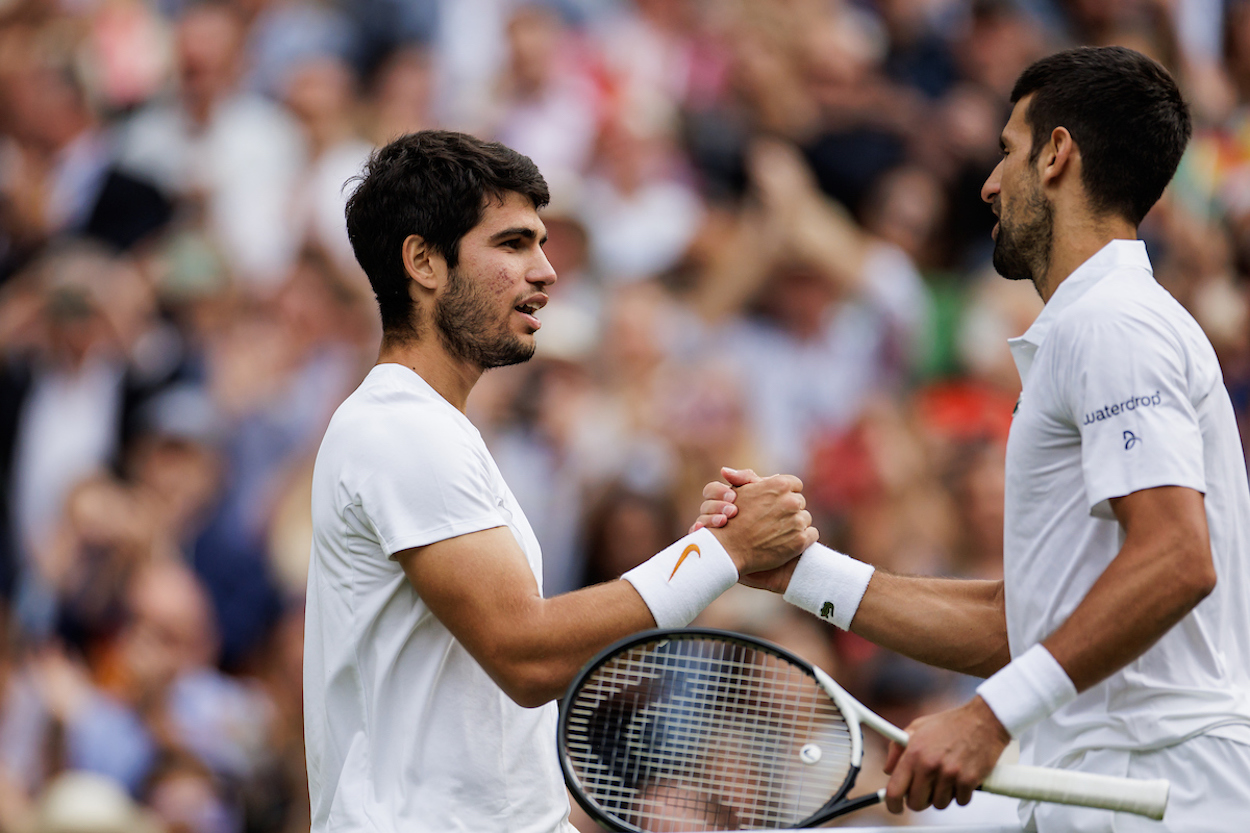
451	378
1078	241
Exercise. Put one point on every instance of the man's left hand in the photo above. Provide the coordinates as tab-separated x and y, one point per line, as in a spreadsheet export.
948	756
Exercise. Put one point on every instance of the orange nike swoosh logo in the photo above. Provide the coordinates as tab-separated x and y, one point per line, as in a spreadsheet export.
692	548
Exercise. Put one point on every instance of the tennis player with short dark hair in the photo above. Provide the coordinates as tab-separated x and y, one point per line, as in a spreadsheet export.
431	657
1119	640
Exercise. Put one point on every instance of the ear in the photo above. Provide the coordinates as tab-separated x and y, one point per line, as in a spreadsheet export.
1058	157
423	264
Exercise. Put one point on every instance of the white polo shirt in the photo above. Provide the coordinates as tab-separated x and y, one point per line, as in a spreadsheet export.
1123	392
405	732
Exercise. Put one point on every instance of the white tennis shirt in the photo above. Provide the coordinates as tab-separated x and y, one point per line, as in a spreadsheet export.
404	730
1123	392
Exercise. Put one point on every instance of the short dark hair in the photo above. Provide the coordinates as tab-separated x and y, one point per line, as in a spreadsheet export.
1124	112
436	184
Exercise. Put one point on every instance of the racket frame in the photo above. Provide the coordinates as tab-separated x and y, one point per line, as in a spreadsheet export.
848	706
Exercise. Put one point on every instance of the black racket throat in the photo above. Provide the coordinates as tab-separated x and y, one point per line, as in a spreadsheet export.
705	729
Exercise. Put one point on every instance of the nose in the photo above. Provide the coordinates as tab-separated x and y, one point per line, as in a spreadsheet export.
541	272
993	184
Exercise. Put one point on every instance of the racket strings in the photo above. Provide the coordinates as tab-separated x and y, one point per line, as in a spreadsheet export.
706	734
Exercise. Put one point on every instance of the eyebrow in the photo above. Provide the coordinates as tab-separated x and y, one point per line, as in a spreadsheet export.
517	231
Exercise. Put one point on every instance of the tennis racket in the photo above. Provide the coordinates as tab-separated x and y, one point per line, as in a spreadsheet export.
709	730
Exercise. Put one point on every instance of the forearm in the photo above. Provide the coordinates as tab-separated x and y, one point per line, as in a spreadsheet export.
555	637
951	623
535	660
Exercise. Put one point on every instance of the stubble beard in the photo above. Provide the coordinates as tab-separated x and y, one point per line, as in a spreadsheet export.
1022	249
470	331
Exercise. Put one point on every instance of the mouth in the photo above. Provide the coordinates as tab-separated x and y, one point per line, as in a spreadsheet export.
530	307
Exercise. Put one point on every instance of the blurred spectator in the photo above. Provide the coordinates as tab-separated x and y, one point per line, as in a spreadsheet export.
546	107
662	57
639	215
59	172
187	798
838	320
401	95
625	527
283	34
919	55
55	717
108	531
77	368
162	663
231	156
321	92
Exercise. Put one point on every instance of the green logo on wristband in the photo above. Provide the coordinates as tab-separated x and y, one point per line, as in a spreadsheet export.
826	611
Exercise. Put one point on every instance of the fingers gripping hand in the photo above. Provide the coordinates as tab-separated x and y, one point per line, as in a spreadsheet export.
947	757
773	524
718	498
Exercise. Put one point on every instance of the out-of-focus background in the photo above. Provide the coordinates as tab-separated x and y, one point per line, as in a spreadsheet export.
772	253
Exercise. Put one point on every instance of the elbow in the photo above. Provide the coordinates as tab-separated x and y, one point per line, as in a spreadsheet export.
528	684
529	694
1203	582
1197	578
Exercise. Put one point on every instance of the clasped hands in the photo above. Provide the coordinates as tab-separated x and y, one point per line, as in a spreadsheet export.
772	529
730	499
950	753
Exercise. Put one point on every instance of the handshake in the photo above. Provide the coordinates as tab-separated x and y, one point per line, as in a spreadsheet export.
762	522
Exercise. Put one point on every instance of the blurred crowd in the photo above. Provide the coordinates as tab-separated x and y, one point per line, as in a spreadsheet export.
772	253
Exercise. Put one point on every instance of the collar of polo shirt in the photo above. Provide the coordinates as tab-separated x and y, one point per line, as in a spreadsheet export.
1118	254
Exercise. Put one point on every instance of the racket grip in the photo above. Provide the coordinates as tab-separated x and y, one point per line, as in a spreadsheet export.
1128	795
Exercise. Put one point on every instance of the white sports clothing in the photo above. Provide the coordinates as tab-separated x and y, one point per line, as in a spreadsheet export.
1122	392
405	732
1206	793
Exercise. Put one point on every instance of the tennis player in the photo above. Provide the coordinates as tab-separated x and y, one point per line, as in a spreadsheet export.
431	657
1119	640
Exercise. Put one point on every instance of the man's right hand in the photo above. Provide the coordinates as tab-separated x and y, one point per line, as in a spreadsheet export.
772	525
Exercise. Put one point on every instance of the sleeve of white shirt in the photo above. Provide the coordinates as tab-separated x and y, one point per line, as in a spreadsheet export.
428	486
1130	399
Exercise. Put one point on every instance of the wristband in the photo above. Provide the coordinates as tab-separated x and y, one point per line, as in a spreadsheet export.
1027	689
828	584
683	578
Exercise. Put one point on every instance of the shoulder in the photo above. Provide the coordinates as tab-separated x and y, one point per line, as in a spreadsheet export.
392	421
1126	309
388	416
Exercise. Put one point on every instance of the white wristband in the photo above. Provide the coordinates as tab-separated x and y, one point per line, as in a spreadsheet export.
683	578
828	584
1027	689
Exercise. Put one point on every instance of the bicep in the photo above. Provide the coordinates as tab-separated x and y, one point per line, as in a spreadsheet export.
1167	522
477	585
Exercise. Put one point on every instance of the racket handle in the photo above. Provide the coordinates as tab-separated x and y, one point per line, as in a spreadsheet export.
1128	795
